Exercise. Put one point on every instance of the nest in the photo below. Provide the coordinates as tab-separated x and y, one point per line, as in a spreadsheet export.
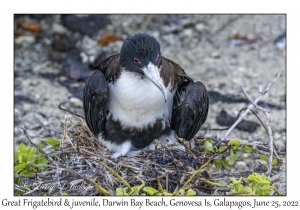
83	166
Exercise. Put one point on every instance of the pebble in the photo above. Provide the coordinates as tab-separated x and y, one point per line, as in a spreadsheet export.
200	27
188	32
25	39
215	54
58	28
75	102
241	165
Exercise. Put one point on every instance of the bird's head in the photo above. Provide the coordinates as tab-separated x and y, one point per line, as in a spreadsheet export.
141	54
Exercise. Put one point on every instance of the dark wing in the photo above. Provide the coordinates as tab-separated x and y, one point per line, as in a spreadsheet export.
110	67
190	108
190	103
172	74
95	93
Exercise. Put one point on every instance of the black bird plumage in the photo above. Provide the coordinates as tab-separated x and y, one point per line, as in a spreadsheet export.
137	96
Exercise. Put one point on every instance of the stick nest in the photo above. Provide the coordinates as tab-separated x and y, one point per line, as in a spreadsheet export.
83	166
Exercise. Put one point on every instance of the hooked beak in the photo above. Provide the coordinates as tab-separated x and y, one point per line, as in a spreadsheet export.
151	71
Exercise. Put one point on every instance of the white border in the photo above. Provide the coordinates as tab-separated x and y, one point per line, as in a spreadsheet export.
154	6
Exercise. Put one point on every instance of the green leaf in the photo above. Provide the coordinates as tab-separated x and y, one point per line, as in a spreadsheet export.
40	145
20	158
275	162
181	191
150	190
233	157
32	151
121	191
235	143
30	157
28	150
16	155
251	178
25	157
52	141
260	184
64	194
43	160
167	193
26	173
224	162
190	192
22	147
222	148
235	181
248	149
208	147
256	177
135	190
263	157
217	163
20	167
209	166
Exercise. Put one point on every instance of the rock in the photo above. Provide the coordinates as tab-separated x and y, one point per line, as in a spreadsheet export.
215	54
63	42
75	69
25	39
85	24
224	119
75	102
200	27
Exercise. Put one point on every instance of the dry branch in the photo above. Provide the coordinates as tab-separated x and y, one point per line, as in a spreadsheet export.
266	112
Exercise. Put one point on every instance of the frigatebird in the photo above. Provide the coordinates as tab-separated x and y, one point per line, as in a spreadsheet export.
137	96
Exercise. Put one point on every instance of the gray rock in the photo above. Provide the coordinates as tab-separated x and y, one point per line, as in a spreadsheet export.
75	102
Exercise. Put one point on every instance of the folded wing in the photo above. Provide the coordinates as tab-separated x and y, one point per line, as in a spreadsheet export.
190	108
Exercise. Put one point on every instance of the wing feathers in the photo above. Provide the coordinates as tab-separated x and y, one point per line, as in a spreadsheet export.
190	108
95	92
95	97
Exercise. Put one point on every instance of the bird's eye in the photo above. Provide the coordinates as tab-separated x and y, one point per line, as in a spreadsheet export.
136	61
157	57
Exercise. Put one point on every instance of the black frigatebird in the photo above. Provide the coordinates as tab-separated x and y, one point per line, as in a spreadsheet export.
137	96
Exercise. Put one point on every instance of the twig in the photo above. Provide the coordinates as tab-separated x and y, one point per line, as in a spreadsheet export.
31	191
269	131
98	187
36	146
266	112
172	157
111	171
156	178
17	187
59	106
251	105
194	174
214	183
265	127
278	192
